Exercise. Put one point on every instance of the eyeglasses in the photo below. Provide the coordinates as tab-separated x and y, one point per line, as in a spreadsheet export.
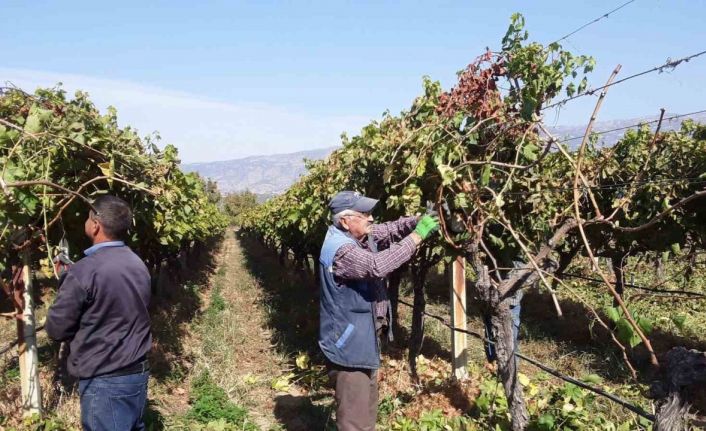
359	215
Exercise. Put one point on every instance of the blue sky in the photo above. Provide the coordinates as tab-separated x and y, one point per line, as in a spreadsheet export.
230	79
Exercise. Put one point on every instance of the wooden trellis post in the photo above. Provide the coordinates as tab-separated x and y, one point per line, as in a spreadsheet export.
459	340
27	346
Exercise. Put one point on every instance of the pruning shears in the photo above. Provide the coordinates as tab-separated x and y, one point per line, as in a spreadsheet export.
452	220
430	209
62	262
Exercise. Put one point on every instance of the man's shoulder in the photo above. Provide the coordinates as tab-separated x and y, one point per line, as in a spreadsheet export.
104	259
84	266
335	239
118	257
346	247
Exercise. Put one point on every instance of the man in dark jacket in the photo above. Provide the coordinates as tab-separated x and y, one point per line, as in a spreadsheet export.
355	256
101	309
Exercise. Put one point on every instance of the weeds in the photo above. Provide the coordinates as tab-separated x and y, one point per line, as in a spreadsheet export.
552	407
217	305
37	423
210	404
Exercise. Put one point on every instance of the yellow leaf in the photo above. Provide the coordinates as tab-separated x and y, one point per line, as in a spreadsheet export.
250	379
533	390
45	268
106	169
302	361
542	403
281	384
523	379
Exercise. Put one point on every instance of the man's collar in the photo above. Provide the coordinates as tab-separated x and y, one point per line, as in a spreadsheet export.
361	242
95	247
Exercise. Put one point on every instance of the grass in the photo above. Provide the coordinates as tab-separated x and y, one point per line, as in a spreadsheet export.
226	384
210	403
233	343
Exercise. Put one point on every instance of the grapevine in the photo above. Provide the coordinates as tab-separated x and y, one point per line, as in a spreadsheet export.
508	190
56	154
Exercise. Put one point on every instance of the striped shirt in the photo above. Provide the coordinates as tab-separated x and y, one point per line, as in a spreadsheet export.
390	248
394	248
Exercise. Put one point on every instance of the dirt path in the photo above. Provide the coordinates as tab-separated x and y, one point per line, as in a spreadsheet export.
248	340
237	349
279	305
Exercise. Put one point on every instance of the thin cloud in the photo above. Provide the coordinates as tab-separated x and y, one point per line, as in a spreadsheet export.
202	129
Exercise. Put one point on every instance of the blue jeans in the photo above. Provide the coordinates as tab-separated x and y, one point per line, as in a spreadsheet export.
113	403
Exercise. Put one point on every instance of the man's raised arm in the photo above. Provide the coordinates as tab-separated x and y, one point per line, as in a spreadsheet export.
385	234
64	315
355	263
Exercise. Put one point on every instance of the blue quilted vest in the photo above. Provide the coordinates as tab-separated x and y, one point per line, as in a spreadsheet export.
347	321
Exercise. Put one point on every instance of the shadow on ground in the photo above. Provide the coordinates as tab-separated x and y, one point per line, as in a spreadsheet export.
291	299
177	304
153	419
575	333
291	303
300	413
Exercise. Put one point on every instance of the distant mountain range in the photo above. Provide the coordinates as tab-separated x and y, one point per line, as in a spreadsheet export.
617	128
262	175
270	175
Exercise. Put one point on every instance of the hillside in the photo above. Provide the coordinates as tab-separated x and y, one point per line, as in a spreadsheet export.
614	135
263	175
271	175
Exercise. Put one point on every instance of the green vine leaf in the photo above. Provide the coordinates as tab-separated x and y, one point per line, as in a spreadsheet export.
530	152
613	314
485	175
448	175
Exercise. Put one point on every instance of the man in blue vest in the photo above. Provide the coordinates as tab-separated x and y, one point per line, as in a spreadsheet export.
355	257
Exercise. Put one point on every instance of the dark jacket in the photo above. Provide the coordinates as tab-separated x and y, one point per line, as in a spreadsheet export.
101	308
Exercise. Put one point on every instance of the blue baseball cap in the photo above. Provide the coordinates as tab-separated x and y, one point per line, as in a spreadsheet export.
349	200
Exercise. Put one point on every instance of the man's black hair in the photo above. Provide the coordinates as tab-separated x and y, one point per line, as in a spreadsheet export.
114	215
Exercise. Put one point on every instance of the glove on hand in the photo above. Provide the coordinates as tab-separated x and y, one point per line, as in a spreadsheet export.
426	226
